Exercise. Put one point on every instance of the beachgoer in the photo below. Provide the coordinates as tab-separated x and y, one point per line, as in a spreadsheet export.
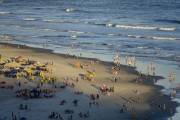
77	79
19	84
97	96
164	106
153	70
159	107
97	104
122	110
71	117
171	110
89	104
88	113
115	79
154	81
93	71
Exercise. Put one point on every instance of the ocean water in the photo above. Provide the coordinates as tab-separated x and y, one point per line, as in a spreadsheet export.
147	29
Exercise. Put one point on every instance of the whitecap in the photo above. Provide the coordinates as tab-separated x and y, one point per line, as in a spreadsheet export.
74	36
80	32
136	27
163	38
48	20
167	29
69	10
71	31
109	25
30	19
141	47
46	29
110	34
86	22
97	23
6	13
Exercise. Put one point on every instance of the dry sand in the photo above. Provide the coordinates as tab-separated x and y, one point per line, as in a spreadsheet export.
109	107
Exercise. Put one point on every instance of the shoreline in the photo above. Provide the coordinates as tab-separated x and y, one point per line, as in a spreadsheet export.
130	70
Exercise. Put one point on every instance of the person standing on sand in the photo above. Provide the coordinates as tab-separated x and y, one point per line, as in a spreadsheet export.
154	70
97	96
154	81
77	79
97	104
68	53
19	84
164	106
12	114
89	104
148	70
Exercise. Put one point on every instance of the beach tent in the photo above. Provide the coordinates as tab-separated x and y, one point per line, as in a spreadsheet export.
3	82
20	59
2	65
35	92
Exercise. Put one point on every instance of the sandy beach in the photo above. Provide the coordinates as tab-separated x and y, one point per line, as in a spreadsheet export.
79	83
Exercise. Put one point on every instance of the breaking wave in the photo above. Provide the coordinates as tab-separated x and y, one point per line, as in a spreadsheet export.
149	37
69	10
107	25
6	13
136	27
167	29
30	19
